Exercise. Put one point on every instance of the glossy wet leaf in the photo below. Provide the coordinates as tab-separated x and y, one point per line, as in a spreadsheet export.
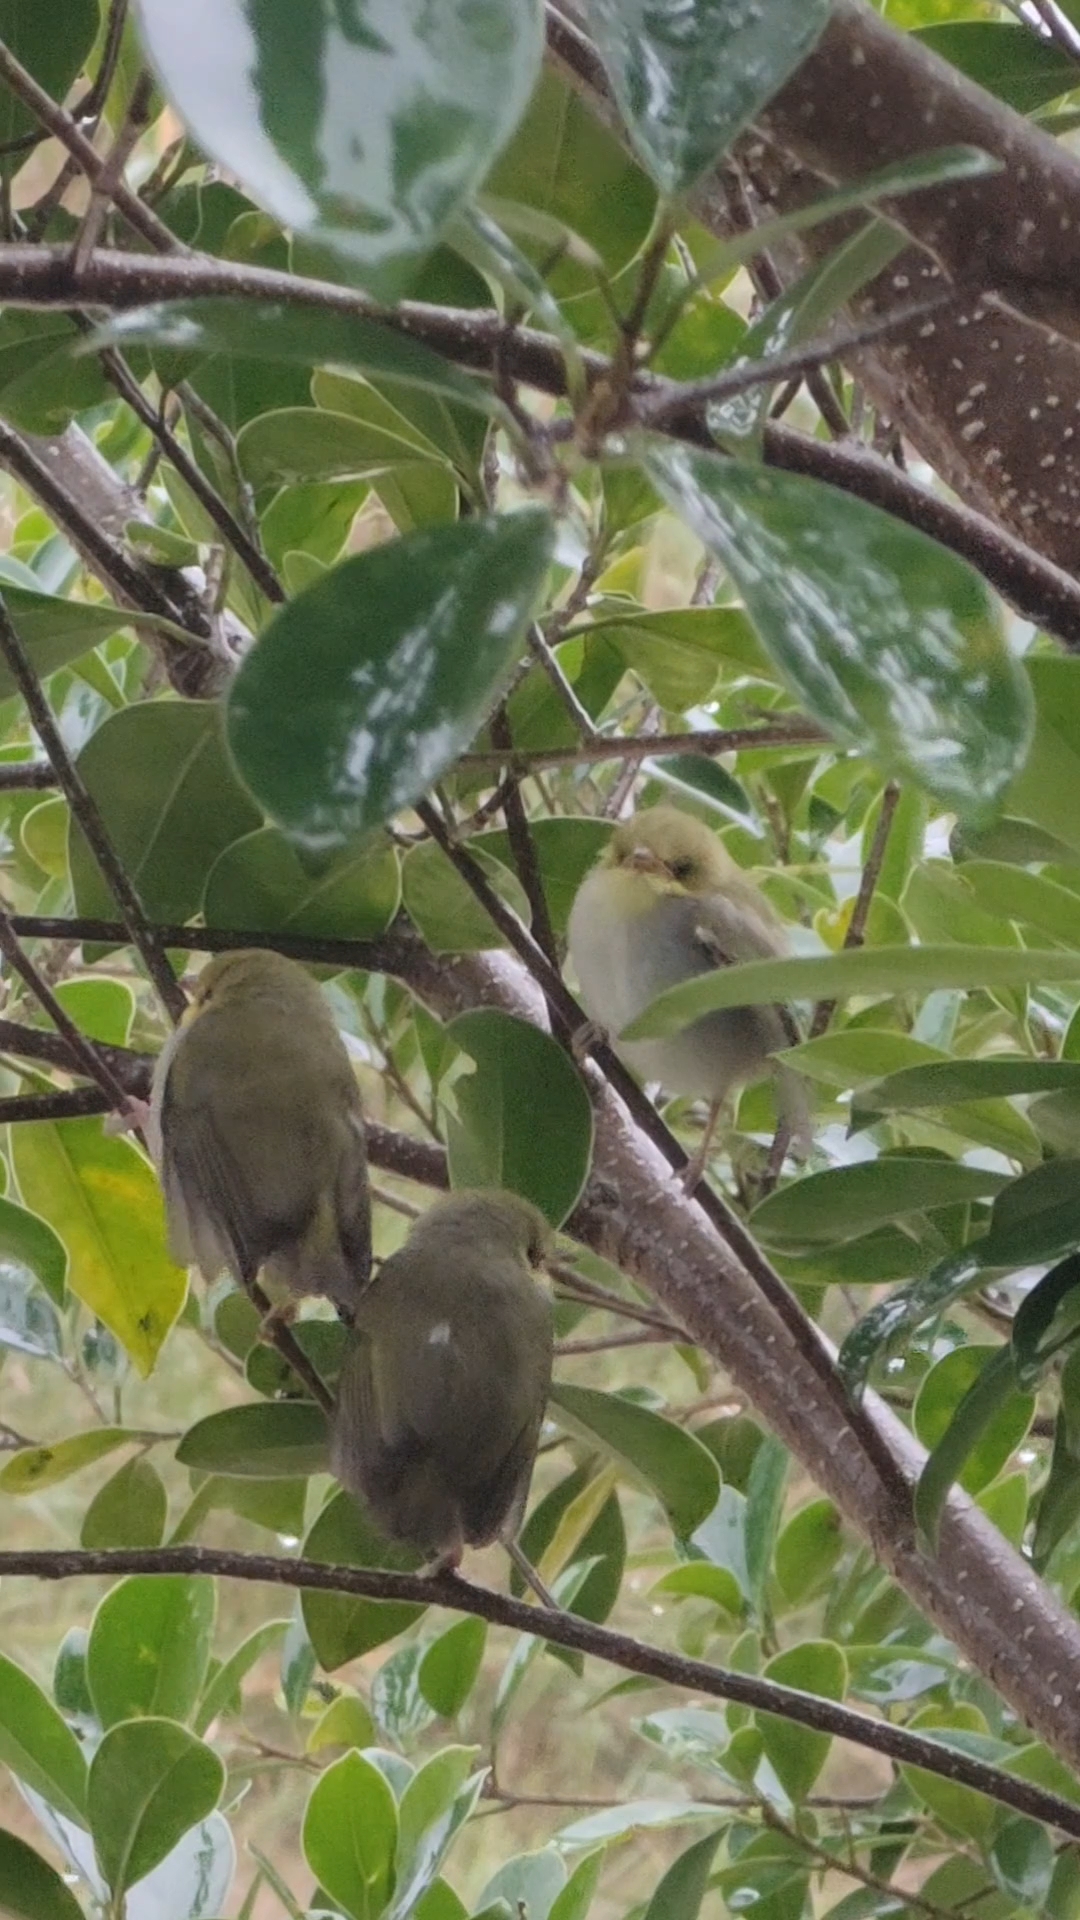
263	1440
361	691
1046	1319
350	1836
362	133
688	80
149	1647
150	1781
450	1666
170	801
525	1119
343	1626
31	1889
889	640
867	970
311	338
38	1745
678	1469
909	1306
260	882
103	1199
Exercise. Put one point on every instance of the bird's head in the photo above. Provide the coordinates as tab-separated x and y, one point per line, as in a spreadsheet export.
238	975
486	1217
670	851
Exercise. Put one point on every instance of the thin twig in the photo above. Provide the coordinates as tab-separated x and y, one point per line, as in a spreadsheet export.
87	813
522	845
900	1744
83	1050
793	732
112	172
544	654
860	913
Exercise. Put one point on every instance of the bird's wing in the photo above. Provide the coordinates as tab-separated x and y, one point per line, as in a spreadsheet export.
352	1198
727	931
210	1206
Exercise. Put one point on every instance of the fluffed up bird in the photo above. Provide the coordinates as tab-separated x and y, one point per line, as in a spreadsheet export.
666	902
257	1128
445	1380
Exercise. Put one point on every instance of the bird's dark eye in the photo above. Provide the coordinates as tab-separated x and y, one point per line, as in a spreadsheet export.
681	869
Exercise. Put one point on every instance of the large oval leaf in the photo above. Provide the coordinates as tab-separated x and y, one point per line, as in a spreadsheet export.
363	132
350	1836
689	78
170	801
101	1197
888	639
38	1745
365	687
342	1626
150	1781
30	1889
680	1471
261	882
525	1120
149	1647
264	1440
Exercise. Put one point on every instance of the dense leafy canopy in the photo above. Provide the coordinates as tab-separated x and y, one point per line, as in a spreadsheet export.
437	628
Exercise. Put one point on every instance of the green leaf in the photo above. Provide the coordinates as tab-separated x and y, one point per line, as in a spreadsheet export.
314	444
103	1200
865	617
687	85
434	1807
350	1836
1022	1860
797	1753
565	847
343	1626
29	1888
525	1118
908	1307
130	1510
31	1468
28	1240
263	1440
103	1009
225	1682
38	1745
362	690
446	913
1011	62
450	1666
574	1901
679	1894
858	970
1036	1217
1046	1320
365	140
54	58
260	882
973	1418
170	801
945	1082
531	1882
150	1781
1044	791
846	1200
808	1550
563	162
29	1322
313	339
149	1647
346	1723
55	631
671	1462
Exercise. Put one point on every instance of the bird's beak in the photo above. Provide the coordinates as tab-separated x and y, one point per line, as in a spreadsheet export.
643	860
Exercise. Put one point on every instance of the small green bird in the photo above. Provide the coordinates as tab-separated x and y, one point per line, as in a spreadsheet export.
666	902
258	1132
445	1380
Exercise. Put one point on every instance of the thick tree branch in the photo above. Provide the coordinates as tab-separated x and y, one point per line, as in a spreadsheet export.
565	1630
38	276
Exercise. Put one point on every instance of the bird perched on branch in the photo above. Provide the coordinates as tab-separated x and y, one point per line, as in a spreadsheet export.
445	1380
259	1135
666	902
